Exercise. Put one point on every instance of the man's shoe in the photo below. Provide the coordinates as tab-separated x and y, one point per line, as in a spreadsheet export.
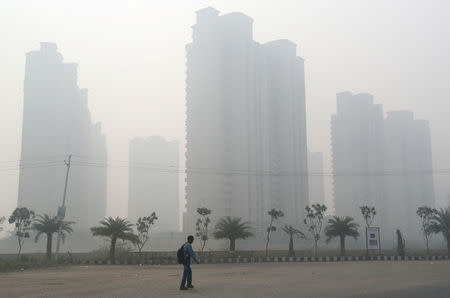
183	288
190	286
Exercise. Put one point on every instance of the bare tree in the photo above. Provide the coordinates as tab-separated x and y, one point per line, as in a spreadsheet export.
143	227
368	214
274	215
22	218
314	221
426	216
441	224
201	226
2	219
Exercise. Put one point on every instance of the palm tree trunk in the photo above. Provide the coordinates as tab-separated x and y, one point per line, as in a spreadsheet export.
49	246
291	247
268	236
232	244
342	246
112	251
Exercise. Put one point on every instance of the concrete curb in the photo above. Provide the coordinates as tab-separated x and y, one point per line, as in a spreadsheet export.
322	259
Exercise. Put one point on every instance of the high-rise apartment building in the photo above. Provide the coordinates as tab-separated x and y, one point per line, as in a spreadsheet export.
56	123
357	153
154	181
385	163
316	178
409	173
246	124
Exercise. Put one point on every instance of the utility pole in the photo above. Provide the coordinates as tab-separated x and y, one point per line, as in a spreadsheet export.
62	209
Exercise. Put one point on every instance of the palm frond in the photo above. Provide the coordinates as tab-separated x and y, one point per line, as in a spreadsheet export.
341	227
117	227
38	235
46	224
229	227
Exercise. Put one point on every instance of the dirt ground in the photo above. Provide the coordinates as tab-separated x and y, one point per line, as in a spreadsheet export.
350	279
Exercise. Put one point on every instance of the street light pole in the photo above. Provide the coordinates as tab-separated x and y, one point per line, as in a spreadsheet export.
62	209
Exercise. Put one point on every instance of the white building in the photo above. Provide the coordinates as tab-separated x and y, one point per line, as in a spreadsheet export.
56	123
385	163
246	124
409	172
357	154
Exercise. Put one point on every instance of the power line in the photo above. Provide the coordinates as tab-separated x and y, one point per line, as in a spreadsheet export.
53	157
36	166
102	163
172	169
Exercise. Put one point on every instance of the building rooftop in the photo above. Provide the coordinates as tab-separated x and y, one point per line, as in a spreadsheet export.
237	16
207	11
280	43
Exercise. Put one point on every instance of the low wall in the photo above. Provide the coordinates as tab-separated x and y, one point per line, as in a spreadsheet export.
217	257
236	260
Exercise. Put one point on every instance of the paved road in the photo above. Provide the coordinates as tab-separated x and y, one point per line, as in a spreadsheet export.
355	279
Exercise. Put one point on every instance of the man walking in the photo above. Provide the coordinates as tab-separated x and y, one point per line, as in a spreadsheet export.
187	273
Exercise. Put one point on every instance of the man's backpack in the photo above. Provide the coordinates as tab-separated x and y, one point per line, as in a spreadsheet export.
180	255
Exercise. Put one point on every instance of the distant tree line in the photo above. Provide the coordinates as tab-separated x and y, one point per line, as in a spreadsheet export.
25	220
433	221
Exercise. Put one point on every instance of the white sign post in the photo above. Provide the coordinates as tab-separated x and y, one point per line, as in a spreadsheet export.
373	238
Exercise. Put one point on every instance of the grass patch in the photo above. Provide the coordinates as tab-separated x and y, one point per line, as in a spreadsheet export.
28	262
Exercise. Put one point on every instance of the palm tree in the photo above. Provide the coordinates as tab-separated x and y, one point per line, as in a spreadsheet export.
341	227
232	228
115	228
291	231
47	225
441	224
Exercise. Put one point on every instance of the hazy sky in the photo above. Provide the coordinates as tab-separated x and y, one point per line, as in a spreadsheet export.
131	57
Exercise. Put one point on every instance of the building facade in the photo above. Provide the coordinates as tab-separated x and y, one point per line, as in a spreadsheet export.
316	178
381	162
154	181
246	124
409	172
357	144
56	123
